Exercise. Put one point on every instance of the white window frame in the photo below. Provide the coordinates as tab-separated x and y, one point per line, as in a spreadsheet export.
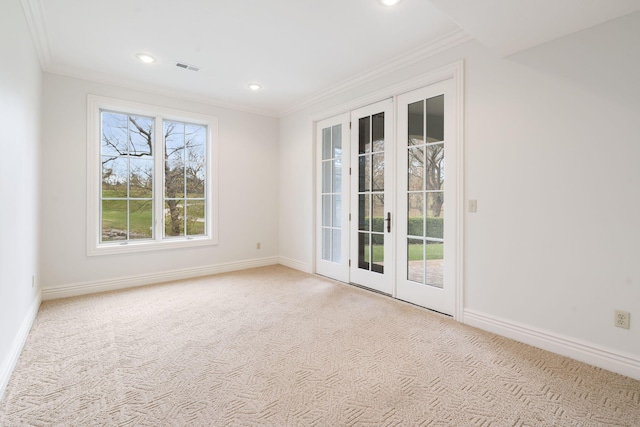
95	104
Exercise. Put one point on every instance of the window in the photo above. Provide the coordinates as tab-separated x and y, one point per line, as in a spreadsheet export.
151	177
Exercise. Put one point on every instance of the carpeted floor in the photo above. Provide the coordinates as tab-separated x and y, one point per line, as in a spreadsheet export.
276	347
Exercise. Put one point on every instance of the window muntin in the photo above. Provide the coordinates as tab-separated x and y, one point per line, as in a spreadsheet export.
152	177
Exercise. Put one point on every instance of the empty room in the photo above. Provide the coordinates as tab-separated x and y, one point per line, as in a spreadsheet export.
337	213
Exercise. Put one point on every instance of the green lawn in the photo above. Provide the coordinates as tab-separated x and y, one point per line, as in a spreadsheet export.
434	251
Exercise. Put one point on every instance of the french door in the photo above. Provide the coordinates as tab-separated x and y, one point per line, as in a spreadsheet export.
387	198
372	227
426	195
332	186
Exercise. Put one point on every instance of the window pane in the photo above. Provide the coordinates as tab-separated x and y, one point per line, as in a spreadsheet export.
140	178
364	173
435	167
114	134
335	244
115	172
435	119
114	220
416	123
337	140
174	141
415	223
174	179
195	218
140	136
364	135
377	132
174	218
140	219
195	140
326	143
415	262
196	177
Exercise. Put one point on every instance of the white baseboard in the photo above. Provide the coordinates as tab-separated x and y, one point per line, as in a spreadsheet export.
77	289
9	363
624	364
296	265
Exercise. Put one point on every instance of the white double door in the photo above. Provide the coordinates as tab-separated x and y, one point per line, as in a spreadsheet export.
386	213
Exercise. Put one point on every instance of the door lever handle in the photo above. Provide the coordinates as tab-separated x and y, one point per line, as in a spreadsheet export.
388	221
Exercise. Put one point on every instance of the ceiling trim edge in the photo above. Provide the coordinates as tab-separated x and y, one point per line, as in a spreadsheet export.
101	78
35	21
413	56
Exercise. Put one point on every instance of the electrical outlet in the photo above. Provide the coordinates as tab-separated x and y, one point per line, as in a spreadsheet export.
258	245
622	319
473	206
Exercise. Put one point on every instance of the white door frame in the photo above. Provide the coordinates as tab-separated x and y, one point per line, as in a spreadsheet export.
454	71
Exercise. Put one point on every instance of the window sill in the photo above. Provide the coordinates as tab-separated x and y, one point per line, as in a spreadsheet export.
148	246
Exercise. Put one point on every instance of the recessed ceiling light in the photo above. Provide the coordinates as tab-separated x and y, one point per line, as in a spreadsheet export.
146	58
389	2
254	86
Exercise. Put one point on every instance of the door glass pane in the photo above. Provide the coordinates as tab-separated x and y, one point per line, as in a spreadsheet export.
435	215
326	244
337	210
377	172
326	143
326	177
435	167
377	223
336	177
434	255
364	136
377	132
435	119
336	247
337	140
326	210
416	123
377	253
415	208
364	173
363	251
415	260
363	211
416	168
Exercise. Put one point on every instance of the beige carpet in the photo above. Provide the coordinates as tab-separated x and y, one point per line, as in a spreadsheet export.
276	347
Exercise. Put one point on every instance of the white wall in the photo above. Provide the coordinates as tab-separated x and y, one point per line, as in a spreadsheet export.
552	150
20	96
248	189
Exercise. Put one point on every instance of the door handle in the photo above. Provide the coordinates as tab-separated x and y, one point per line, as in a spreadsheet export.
388	221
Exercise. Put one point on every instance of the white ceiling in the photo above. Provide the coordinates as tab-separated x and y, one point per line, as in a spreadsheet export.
296	49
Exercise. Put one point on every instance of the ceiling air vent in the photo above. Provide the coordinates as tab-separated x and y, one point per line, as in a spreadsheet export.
187	66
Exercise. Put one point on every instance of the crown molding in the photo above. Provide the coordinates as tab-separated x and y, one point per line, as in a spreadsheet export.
406	59
34	16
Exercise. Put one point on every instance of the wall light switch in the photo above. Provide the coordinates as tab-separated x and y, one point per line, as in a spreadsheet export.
473	206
